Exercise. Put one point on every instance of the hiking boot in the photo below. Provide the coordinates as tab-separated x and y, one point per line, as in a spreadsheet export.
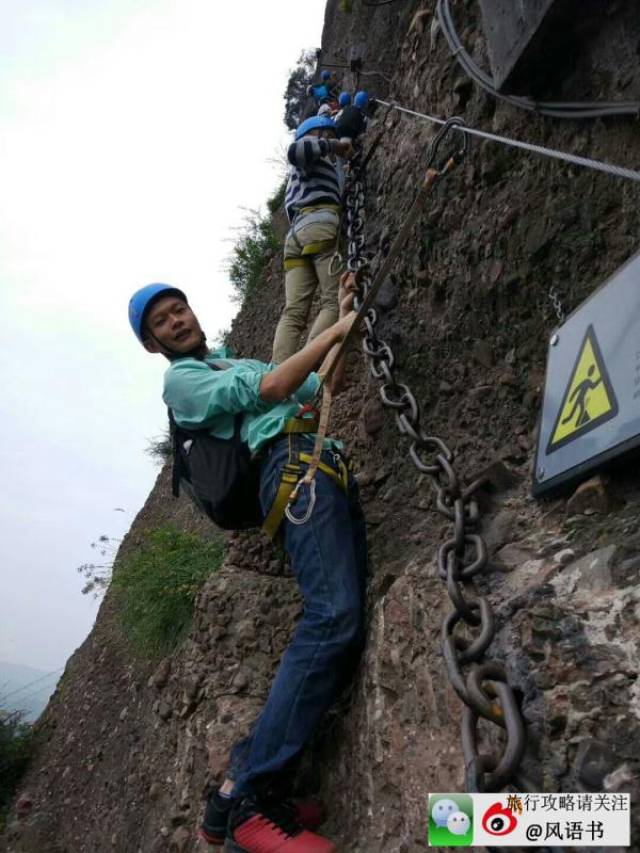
309	813
213	829
262	826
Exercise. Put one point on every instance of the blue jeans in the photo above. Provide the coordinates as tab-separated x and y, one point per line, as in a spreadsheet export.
329	560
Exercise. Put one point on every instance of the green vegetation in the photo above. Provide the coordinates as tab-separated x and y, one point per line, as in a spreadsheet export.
160	448
156	587
277	199
255	247
295	95
16	749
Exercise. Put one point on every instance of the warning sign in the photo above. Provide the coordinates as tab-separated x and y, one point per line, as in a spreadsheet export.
589	399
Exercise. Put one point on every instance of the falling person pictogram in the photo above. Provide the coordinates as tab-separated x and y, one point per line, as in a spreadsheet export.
589	399
580	396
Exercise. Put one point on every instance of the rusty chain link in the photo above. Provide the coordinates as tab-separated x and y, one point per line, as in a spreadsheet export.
485	690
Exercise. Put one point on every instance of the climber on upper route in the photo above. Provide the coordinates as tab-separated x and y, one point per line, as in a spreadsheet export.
343	101
313	202
352	120
326	542
326	91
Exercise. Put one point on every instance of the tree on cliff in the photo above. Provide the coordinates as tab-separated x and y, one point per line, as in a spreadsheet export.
295	94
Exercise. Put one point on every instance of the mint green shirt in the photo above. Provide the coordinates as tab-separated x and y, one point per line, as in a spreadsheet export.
202	397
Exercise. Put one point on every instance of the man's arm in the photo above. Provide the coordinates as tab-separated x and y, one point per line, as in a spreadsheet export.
346	292
307	150
279	383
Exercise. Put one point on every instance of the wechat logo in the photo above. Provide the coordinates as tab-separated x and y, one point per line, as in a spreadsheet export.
450	820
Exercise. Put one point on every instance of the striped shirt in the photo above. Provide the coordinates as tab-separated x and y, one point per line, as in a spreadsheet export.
314	178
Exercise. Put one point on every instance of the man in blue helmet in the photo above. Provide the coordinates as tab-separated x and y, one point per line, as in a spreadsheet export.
325	540
352	121
343	101
326	90
313	202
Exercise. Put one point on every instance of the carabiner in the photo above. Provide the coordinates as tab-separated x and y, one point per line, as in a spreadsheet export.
312	502
447	128
336	263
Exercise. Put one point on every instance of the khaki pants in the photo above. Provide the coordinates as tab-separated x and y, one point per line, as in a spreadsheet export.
308	250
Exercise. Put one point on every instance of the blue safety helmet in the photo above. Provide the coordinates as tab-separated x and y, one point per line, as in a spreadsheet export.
314	123
143	299
325	75
345	99
361	99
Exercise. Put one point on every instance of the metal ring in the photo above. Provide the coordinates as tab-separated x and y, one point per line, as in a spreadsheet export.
471	652
479	699
457	598
468	571
312	502
336	263
395	404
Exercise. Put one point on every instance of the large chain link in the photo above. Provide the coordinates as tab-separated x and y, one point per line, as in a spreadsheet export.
485	688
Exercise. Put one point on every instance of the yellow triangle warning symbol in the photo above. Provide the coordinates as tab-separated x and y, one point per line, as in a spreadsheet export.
589	399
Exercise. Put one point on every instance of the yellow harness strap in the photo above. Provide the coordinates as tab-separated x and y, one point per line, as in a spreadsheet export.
293	263
313	207
291	474
298	425
318	247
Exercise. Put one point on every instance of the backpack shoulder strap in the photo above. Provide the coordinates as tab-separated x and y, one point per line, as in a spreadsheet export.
179	469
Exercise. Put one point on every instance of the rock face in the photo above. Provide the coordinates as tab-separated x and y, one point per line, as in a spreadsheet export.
129	750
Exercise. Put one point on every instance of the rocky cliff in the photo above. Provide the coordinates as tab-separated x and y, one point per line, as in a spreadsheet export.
129	750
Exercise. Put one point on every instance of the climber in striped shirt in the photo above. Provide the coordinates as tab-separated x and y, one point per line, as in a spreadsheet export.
313	202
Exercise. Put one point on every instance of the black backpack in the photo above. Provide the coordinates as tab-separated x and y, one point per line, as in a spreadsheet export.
217	474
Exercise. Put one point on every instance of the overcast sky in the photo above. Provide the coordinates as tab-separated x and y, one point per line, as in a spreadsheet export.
132	132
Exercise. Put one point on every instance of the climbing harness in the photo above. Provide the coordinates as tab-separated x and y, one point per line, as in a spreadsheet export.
485	689
574	159
320	214
292	472
571	110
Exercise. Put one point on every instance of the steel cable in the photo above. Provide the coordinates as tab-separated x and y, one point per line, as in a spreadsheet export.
573	159
570	109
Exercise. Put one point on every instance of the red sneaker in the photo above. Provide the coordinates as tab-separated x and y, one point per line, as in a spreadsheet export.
265	827
309	813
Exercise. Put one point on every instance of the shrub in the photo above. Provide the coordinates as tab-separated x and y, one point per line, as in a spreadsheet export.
277	199
160	448
256	246
156	586
16	749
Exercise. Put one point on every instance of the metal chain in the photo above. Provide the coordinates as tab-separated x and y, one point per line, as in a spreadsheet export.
485	688
554	296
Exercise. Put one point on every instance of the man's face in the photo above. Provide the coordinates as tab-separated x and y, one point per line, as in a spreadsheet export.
173	325
323	133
